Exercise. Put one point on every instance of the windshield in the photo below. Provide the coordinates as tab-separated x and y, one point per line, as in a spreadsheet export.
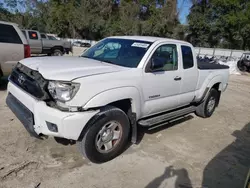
123	52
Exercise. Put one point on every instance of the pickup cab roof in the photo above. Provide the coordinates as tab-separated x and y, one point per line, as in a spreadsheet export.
150	39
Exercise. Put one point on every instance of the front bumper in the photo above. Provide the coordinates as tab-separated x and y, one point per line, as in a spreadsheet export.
22	113
24	106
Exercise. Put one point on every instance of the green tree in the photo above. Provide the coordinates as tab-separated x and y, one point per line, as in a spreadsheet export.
96	19
219	23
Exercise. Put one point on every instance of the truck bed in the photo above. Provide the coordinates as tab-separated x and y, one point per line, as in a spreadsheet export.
207	66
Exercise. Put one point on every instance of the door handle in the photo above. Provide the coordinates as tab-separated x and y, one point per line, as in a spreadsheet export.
177	78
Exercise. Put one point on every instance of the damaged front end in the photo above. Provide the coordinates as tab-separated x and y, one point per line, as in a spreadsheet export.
32	82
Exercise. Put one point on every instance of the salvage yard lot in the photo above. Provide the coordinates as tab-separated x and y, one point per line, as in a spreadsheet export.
191	152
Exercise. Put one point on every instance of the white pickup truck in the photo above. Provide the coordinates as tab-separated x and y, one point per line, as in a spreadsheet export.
100	98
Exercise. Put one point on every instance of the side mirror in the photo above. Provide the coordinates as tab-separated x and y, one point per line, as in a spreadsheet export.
157	64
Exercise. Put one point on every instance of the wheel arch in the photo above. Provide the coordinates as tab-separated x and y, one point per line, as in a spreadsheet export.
58	48
217	86
126	98
216	82
116	97
210	82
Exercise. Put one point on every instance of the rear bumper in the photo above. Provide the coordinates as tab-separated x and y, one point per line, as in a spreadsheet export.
69	124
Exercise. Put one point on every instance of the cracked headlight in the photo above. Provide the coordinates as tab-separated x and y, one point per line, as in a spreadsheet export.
63	91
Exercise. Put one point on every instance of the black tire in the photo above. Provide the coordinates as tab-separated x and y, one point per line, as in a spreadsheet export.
244	69
241	66
57	52
88	146
203	109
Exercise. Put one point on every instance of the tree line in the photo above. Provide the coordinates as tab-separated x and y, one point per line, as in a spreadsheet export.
210	23
220	23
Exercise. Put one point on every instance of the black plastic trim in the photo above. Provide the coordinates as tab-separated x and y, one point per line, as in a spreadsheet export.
204	95
30	81
134	127
22	113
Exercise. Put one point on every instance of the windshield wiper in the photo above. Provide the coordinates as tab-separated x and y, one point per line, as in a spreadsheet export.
107	62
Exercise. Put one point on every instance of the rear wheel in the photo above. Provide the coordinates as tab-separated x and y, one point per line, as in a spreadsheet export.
57	52
107	137
207	107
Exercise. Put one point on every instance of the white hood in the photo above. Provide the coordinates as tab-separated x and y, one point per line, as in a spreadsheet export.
69	68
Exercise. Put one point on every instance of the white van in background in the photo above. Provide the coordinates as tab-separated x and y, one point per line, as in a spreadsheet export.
13	47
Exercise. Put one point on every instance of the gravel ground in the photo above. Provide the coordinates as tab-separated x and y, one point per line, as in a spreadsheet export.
191	152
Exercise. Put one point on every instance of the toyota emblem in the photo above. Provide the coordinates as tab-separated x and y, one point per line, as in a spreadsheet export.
21	79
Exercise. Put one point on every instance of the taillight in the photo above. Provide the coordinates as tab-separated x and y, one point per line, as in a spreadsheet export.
26	50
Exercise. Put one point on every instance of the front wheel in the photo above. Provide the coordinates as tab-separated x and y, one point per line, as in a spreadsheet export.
107	137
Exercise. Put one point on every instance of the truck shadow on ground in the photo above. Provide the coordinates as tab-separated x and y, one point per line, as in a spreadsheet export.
181	176
152	130
229	168
3	83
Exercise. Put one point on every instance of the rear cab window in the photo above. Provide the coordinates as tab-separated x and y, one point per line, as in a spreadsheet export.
33	35
8	34
43	36
187	57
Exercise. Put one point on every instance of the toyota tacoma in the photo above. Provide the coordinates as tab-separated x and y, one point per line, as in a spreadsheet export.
100	98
